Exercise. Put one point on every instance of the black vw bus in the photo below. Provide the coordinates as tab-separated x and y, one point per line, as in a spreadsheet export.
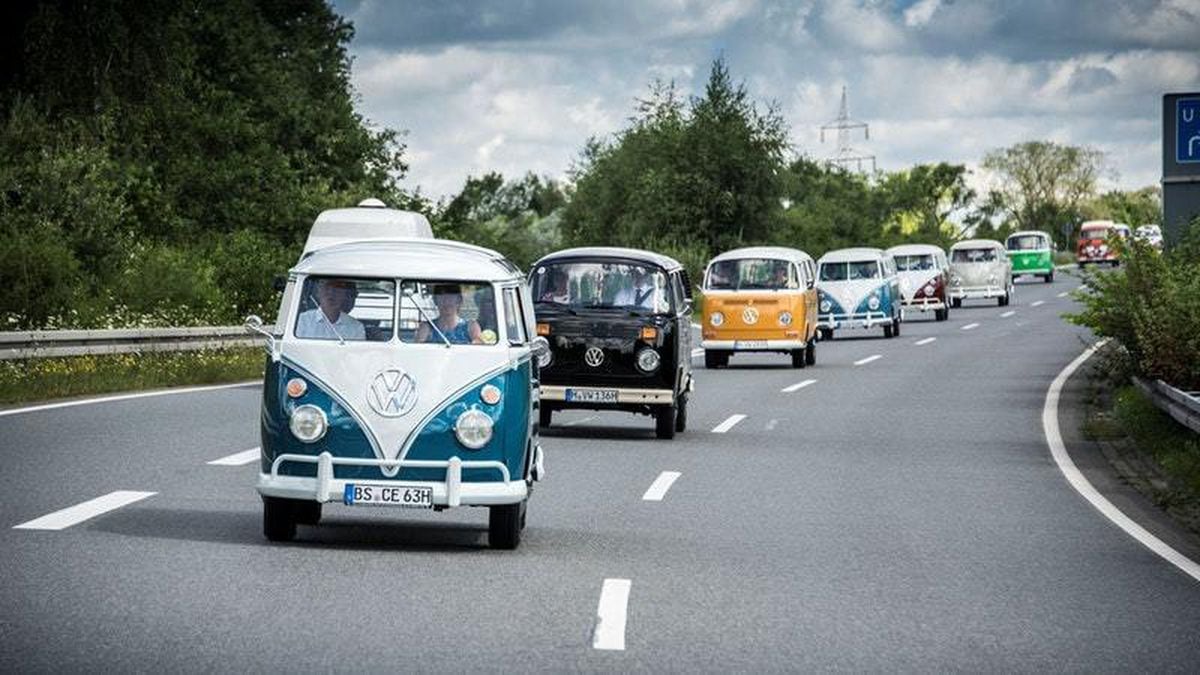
619	325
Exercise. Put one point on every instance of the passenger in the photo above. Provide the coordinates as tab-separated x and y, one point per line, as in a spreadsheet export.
329	320
779	278
558	292
459	331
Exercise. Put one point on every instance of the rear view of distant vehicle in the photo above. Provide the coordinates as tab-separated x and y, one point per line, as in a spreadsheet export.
1151	235
1031	253
980	270
924	274
1095	244
858	288
371	220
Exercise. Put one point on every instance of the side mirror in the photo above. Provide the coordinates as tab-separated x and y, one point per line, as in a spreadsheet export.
279	283
541	351
254	324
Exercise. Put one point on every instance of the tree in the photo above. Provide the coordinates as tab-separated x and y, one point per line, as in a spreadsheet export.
518	218
1044	183
923	198
1136	207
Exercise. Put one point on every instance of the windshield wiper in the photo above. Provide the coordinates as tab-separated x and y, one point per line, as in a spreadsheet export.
409	294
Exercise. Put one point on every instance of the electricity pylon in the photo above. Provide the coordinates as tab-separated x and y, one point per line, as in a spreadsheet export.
846	155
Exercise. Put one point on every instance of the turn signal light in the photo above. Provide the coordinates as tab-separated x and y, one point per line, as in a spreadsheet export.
543	329
649	333
296	387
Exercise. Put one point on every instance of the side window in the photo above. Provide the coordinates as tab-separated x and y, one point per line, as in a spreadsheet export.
686	284
679	289
514	324
285	306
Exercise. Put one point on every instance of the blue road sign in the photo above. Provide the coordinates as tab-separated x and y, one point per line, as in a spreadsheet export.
1187	130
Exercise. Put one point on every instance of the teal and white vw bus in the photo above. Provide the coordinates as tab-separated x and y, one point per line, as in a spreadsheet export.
402	373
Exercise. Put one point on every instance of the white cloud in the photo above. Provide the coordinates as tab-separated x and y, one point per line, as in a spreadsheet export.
921	12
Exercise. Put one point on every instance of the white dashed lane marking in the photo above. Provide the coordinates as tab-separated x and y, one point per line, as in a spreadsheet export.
970	326
238	458
869	359
797	387
925	341
74	515
1062	295
610	615
1007	314
1039	302
658	489
572	423
728	424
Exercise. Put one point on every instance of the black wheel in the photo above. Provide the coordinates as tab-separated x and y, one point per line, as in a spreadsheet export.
941	314
279	519
1002	300
956	302
544	415
798	358
504	525
896	327
715	359
681	415
307	513
887	330
664	422
826	333
810	353
1050	277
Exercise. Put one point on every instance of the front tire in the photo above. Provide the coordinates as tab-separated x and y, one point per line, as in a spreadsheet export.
714	359
1050	277
798	358
680	416
956	302
941	314
505	523
307	513
896	327
279	519
664	422
810	352
826	333
887	330
544	416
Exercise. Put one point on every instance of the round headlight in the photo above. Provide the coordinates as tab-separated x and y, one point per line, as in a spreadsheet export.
716	318
785	318
992	279
956	281
308	423
930	289
648	360
873	303
825	306
473	429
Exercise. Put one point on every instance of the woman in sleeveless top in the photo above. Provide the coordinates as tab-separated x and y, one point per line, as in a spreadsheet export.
459	331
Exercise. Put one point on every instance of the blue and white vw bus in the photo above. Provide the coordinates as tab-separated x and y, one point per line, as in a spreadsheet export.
858	288
402	373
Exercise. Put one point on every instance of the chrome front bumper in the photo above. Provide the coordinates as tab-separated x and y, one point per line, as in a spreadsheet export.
754	345
451	492
977	292
553	392
923	304
862	320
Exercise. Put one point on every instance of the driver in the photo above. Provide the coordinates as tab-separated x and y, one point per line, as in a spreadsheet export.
641	294
329	320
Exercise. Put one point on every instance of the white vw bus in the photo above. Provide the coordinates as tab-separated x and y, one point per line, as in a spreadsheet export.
924	275
858	288
402	373
980	269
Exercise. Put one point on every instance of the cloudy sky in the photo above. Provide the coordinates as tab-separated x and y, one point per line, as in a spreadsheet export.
520	85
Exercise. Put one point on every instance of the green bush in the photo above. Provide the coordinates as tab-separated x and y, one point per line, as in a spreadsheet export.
244	265
1152	308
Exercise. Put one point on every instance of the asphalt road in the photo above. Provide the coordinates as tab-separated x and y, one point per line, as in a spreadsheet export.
901	514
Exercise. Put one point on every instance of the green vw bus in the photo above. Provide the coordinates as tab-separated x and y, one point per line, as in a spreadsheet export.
1031	253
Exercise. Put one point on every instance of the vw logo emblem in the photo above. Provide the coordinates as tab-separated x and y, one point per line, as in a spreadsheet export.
392	393
594	356
750	315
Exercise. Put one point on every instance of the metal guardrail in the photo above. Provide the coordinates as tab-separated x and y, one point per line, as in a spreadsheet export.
38	344
1183	406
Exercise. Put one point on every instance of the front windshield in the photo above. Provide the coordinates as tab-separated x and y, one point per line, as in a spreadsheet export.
973	255
346	309
850	271
751	274
915	263
601	285
1026	242
1094	233
454	312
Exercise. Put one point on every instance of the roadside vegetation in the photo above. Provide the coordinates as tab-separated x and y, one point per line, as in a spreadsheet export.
64	377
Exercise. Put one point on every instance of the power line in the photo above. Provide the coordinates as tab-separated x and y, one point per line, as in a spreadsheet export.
846	155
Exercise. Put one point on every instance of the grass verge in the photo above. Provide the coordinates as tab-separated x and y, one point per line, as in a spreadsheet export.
1151	451
62	377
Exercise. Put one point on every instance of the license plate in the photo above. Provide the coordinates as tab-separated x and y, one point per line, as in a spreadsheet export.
592	395
749	344
374	494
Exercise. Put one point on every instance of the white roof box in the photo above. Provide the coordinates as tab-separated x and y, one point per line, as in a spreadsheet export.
371	220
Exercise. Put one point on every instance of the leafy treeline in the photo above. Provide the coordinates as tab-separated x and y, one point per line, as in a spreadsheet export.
163	161
170	155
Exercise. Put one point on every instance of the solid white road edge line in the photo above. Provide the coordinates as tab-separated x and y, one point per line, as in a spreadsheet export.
970	326
238	458
610	614
125	397
869	359
1059	451
1007	314
728	424
797	387
73	515
1037	304
925	341
658	489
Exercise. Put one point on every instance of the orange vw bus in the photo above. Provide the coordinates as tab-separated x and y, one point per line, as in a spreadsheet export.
760	299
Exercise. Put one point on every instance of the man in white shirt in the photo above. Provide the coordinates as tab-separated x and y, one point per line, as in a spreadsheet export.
328	320
641	294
